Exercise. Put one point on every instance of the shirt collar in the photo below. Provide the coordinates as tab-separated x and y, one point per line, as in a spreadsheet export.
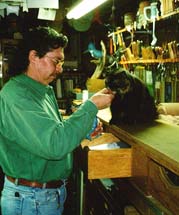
31	83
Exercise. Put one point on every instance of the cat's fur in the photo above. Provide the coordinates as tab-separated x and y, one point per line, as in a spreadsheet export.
133	103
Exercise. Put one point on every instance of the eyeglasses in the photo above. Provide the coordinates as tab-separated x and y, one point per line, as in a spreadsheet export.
56	61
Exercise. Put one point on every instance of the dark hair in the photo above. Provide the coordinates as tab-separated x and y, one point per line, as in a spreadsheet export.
40	39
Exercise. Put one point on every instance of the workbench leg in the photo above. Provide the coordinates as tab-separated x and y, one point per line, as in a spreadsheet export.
80	192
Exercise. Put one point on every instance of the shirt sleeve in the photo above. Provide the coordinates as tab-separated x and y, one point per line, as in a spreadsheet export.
39	132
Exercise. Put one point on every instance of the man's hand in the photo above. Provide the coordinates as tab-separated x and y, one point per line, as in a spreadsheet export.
103	98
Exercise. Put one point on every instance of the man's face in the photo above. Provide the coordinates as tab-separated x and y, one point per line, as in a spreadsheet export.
47	68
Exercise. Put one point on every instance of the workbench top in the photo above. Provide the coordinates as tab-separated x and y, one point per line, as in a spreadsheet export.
160	139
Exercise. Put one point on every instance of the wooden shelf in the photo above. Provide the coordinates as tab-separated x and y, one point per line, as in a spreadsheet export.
150	61
165	16
121	30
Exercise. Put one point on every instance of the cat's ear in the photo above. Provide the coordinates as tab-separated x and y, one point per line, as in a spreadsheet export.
122	74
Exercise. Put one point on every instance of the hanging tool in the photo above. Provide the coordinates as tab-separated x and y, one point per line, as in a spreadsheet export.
154	38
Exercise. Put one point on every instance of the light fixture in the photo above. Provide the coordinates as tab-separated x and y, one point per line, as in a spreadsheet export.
84	7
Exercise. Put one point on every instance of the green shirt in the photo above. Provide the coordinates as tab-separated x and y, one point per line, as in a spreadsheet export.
35	142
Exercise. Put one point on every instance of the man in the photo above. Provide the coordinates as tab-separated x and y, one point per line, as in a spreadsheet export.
36	144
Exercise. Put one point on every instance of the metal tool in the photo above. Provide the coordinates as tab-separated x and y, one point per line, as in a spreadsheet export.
154	38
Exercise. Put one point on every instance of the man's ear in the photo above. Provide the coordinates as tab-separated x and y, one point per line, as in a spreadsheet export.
33	56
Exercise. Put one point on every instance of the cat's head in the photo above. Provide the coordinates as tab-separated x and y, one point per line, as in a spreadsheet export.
118	81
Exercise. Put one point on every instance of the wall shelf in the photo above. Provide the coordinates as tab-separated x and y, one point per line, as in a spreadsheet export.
165	16
150	61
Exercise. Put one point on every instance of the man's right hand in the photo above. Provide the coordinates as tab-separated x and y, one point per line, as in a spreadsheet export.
103	98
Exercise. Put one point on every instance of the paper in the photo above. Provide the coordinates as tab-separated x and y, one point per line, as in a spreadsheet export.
12	9
3	5
47	14
43	4
2	12
105	146
24	6
12	1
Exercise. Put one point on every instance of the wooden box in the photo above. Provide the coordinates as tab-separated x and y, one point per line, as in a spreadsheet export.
106	163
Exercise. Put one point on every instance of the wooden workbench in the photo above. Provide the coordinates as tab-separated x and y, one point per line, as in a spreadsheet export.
155	158
150	166
160	139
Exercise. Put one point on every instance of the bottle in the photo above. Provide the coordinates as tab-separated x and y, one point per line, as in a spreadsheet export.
59	88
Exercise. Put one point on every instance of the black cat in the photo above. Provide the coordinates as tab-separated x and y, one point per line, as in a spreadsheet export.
133	103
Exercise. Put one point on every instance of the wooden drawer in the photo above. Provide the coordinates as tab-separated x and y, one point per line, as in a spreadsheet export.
109	163
102	198
146	205
163	188
140	168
